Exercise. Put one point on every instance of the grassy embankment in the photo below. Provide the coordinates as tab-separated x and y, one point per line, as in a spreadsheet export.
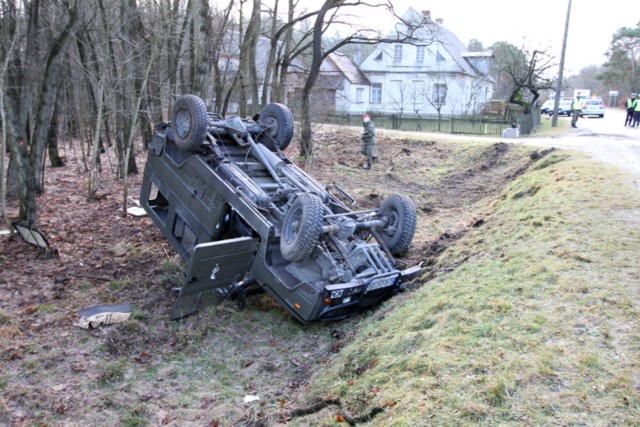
532	318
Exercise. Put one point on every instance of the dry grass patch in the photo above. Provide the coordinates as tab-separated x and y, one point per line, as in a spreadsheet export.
534	322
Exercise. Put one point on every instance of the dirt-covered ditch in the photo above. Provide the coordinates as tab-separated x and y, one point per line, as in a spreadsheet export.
199	371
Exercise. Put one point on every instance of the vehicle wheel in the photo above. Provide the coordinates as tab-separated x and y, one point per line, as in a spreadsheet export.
278	121
302	227
400	213
190	122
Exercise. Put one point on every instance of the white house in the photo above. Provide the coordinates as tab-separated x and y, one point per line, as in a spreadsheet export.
432	73
347	87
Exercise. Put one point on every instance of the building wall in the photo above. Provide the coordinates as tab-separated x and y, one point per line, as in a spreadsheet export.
409	83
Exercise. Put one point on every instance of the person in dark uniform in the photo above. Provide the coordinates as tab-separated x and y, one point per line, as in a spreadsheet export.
630	105
368	140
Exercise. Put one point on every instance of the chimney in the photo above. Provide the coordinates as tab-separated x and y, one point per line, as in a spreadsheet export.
427	15
440	21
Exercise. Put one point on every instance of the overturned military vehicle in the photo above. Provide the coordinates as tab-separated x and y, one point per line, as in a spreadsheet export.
244	218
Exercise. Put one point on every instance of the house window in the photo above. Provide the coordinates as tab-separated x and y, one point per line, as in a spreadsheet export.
379	57
439	94
397	53
359	95
419	53
416	98
376	93
440	58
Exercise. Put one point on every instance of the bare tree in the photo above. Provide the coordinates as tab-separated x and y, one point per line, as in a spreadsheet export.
220	46
401	99
6	51
528	70
471	96
31	101
434	92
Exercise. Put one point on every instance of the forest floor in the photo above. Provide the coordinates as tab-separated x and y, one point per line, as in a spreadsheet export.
199	370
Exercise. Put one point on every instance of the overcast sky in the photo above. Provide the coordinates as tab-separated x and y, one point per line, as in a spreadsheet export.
535	24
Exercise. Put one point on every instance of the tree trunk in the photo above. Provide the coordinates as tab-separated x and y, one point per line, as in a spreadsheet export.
280	77
201	35
252	40
52	141
4	123
95	152
47	99
306	141
27	187
272	55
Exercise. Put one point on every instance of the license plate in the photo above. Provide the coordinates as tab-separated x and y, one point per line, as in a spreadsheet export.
381	283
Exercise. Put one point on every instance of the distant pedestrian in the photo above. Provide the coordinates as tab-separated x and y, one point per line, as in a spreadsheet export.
576	109
368	140
636	115
630	105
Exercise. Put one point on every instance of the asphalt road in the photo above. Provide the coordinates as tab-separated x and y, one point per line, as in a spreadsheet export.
605	139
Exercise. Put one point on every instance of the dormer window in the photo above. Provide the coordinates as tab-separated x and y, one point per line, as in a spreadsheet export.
440	58
379	57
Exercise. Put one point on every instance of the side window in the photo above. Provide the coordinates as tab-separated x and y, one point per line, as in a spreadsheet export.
359	95
397	53
376	93
439	94
420	54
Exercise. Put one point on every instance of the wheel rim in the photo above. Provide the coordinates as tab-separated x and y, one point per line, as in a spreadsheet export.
183	122
272	125
292	228
392	227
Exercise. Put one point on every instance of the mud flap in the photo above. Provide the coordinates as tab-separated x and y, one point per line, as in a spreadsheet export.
213	265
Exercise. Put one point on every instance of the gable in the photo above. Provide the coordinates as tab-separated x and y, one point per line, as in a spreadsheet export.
448	52
340	66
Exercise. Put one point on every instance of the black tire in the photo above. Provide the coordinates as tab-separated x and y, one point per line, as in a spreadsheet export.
400	213
190	122
278	122
302	227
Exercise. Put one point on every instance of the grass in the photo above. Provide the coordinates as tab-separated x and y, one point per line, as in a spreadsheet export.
528	317
533	325
545	128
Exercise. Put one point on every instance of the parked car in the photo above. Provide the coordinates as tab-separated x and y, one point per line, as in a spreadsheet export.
564	108
593	107
246	219
547	107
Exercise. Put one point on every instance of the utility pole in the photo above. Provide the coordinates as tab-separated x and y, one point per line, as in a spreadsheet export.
554	121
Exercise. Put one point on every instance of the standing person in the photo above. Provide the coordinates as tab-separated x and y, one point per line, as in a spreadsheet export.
630	106
636	114
368	140
576	109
